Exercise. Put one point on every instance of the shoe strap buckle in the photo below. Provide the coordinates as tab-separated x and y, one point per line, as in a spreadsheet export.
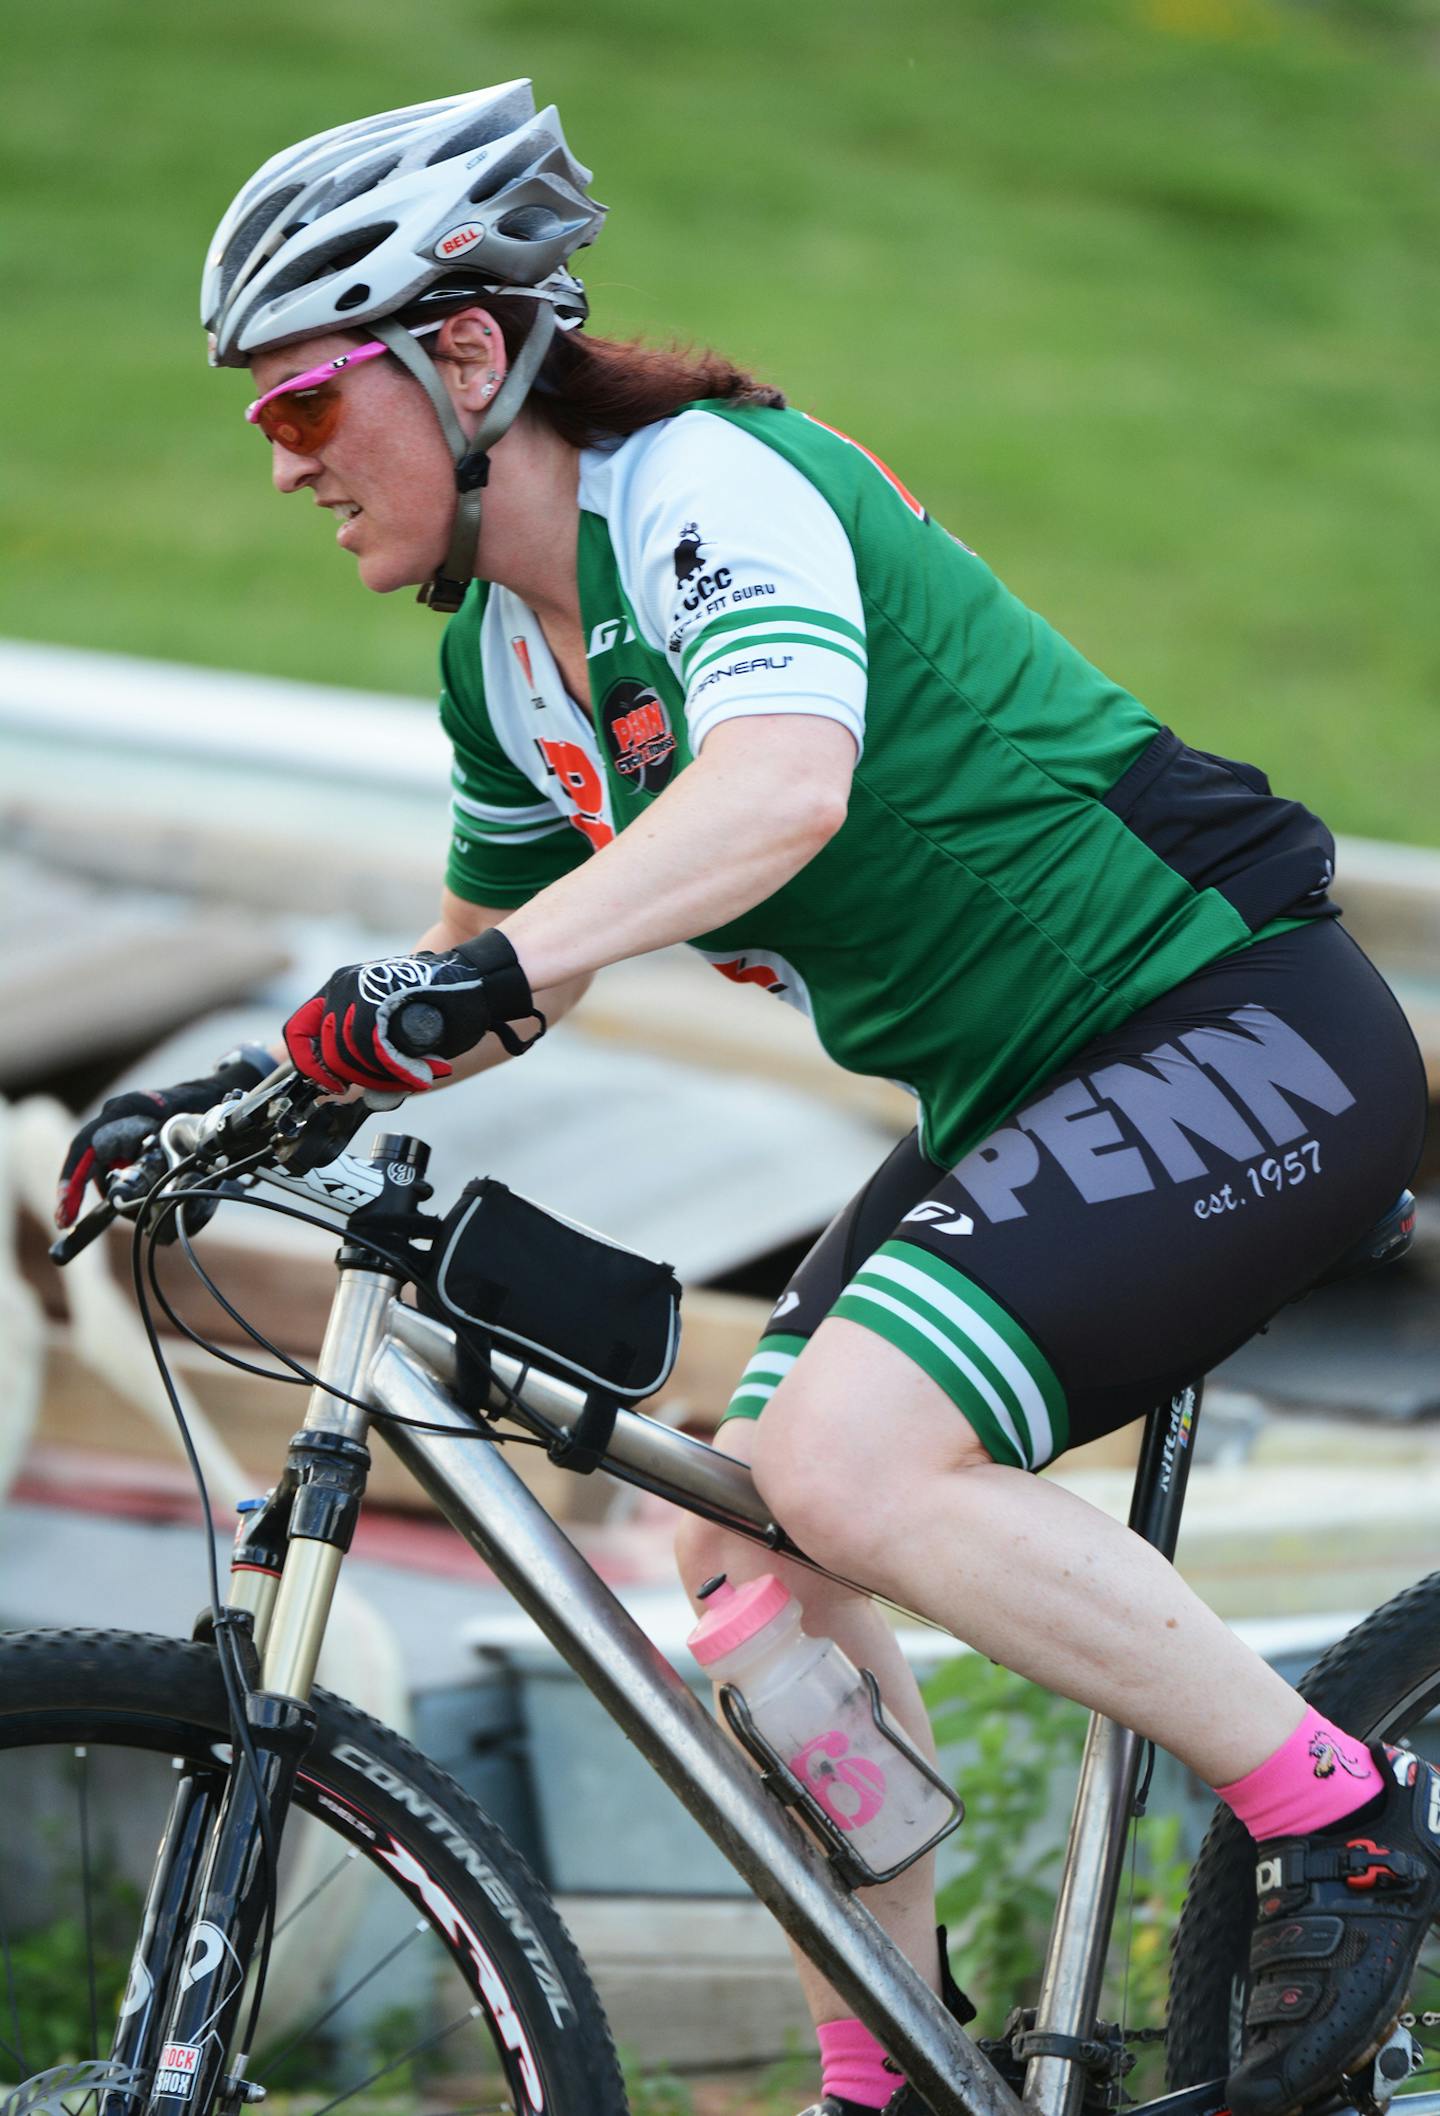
1366	1864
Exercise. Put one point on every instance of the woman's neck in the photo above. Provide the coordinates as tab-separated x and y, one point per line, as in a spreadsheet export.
531	521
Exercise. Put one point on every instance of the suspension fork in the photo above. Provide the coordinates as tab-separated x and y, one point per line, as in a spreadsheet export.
217	1890
1055	2078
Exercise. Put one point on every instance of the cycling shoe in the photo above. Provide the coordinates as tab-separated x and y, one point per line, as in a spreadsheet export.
1342	1918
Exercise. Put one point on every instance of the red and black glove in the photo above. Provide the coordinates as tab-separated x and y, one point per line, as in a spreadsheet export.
116	1137
345	1036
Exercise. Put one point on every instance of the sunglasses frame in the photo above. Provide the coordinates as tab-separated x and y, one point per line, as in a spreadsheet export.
316	378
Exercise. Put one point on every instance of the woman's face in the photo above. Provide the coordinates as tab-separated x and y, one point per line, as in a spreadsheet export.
385	473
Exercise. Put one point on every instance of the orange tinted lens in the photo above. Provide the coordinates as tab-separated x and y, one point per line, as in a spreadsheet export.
303	420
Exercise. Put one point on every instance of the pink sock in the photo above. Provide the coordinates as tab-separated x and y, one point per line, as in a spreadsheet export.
1316	1778
852	2064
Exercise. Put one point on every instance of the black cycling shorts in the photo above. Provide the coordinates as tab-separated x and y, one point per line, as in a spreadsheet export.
1170	1188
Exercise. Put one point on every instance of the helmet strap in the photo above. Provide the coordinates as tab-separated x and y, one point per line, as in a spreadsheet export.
447	590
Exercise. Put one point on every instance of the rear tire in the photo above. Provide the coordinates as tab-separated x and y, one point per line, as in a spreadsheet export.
495	1955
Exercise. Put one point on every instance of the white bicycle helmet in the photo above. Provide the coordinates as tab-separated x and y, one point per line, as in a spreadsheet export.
359	223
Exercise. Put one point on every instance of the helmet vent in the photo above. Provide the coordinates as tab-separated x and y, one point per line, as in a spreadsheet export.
250	231
353	297
335	257
529	224
340	190
497	117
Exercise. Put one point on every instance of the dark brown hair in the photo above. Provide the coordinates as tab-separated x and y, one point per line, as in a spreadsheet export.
592	389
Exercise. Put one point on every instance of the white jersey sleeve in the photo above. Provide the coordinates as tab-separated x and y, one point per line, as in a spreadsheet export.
740	570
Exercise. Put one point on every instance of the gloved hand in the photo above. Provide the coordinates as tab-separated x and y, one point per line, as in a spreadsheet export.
342	1037
116	1137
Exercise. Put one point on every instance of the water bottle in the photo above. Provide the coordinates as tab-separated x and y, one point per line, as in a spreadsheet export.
808	1700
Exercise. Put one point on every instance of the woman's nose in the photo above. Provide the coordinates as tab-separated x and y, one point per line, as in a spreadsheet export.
289	471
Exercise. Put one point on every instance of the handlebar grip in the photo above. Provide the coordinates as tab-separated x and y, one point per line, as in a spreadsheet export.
82	1234
417	1028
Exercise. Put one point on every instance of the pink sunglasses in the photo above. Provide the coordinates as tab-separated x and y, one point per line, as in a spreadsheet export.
303	413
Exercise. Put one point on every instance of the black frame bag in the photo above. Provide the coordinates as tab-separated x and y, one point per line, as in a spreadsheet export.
562	1298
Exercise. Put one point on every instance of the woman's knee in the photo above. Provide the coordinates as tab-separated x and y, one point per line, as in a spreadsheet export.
702	1549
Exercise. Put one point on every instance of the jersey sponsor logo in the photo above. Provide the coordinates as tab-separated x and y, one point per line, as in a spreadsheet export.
774	662
687	569
582	786
610	632
638	735
521	649
786	1305
456	241
688	547
942	1219
750	970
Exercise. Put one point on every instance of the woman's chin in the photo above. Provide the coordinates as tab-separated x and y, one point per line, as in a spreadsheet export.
382	575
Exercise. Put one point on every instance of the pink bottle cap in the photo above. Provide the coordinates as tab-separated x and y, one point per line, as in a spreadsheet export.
735	1614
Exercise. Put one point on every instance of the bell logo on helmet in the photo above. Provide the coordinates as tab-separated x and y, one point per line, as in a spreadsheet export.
458	240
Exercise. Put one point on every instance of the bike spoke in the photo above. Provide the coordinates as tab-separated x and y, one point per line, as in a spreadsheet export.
426	2042
274	2064
318	1890
82	1790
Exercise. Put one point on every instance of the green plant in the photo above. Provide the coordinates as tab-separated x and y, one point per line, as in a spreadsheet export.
653	2090
1015	1750
1011	1742
50	1972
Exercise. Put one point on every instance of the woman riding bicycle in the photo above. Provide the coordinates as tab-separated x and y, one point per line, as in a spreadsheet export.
714	675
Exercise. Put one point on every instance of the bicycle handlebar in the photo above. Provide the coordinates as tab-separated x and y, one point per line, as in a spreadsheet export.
417	1028
270	1117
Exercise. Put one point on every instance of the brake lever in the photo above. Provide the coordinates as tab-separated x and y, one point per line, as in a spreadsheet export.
126	1192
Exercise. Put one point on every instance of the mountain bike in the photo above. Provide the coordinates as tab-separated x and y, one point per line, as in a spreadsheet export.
214	1987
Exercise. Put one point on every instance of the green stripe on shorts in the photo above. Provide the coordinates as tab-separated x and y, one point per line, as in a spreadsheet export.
966	1342
770	1362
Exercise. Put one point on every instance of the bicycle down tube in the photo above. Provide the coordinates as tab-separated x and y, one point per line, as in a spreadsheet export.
379	1350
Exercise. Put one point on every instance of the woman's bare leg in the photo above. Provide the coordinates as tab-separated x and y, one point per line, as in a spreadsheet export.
874	1472
905	1906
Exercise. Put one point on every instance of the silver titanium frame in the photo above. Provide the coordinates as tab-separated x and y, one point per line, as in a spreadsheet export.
489	1505
378	1348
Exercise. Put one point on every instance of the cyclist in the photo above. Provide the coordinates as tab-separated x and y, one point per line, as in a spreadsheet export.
713	674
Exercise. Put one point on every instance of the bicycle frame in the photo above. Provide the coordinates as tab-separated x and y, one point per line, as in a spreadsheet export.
379	1351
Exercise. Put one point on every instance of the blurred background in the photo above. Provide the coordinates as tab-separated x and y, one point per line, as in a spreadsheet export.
1142	298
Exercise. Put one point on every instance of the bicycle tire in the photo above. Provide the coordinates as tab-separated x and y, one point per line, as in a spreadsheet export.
1380	1681
381	1798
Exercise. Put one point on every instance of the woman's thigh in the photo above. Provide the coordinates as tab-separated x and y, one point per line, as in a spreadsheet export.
1139	1217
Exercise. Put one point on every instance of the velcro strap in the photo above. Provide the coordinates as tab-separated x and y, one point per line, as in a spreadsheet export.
1362	1863
1296	1940
1280	1998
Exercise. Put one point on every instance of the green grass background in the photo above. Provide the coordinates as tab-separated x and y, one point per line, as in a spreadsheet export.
1141	296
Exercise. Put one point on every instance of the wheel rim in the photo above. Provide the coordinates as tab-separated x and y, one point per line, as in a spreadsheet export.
407	2012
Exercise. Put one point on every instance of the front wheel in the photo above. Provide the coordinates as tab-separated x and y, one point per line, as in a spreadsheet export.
418	1963
1380	1682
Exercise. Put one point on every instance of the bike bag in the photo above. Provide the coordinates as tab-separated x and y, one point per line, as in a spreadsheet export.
559	1296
